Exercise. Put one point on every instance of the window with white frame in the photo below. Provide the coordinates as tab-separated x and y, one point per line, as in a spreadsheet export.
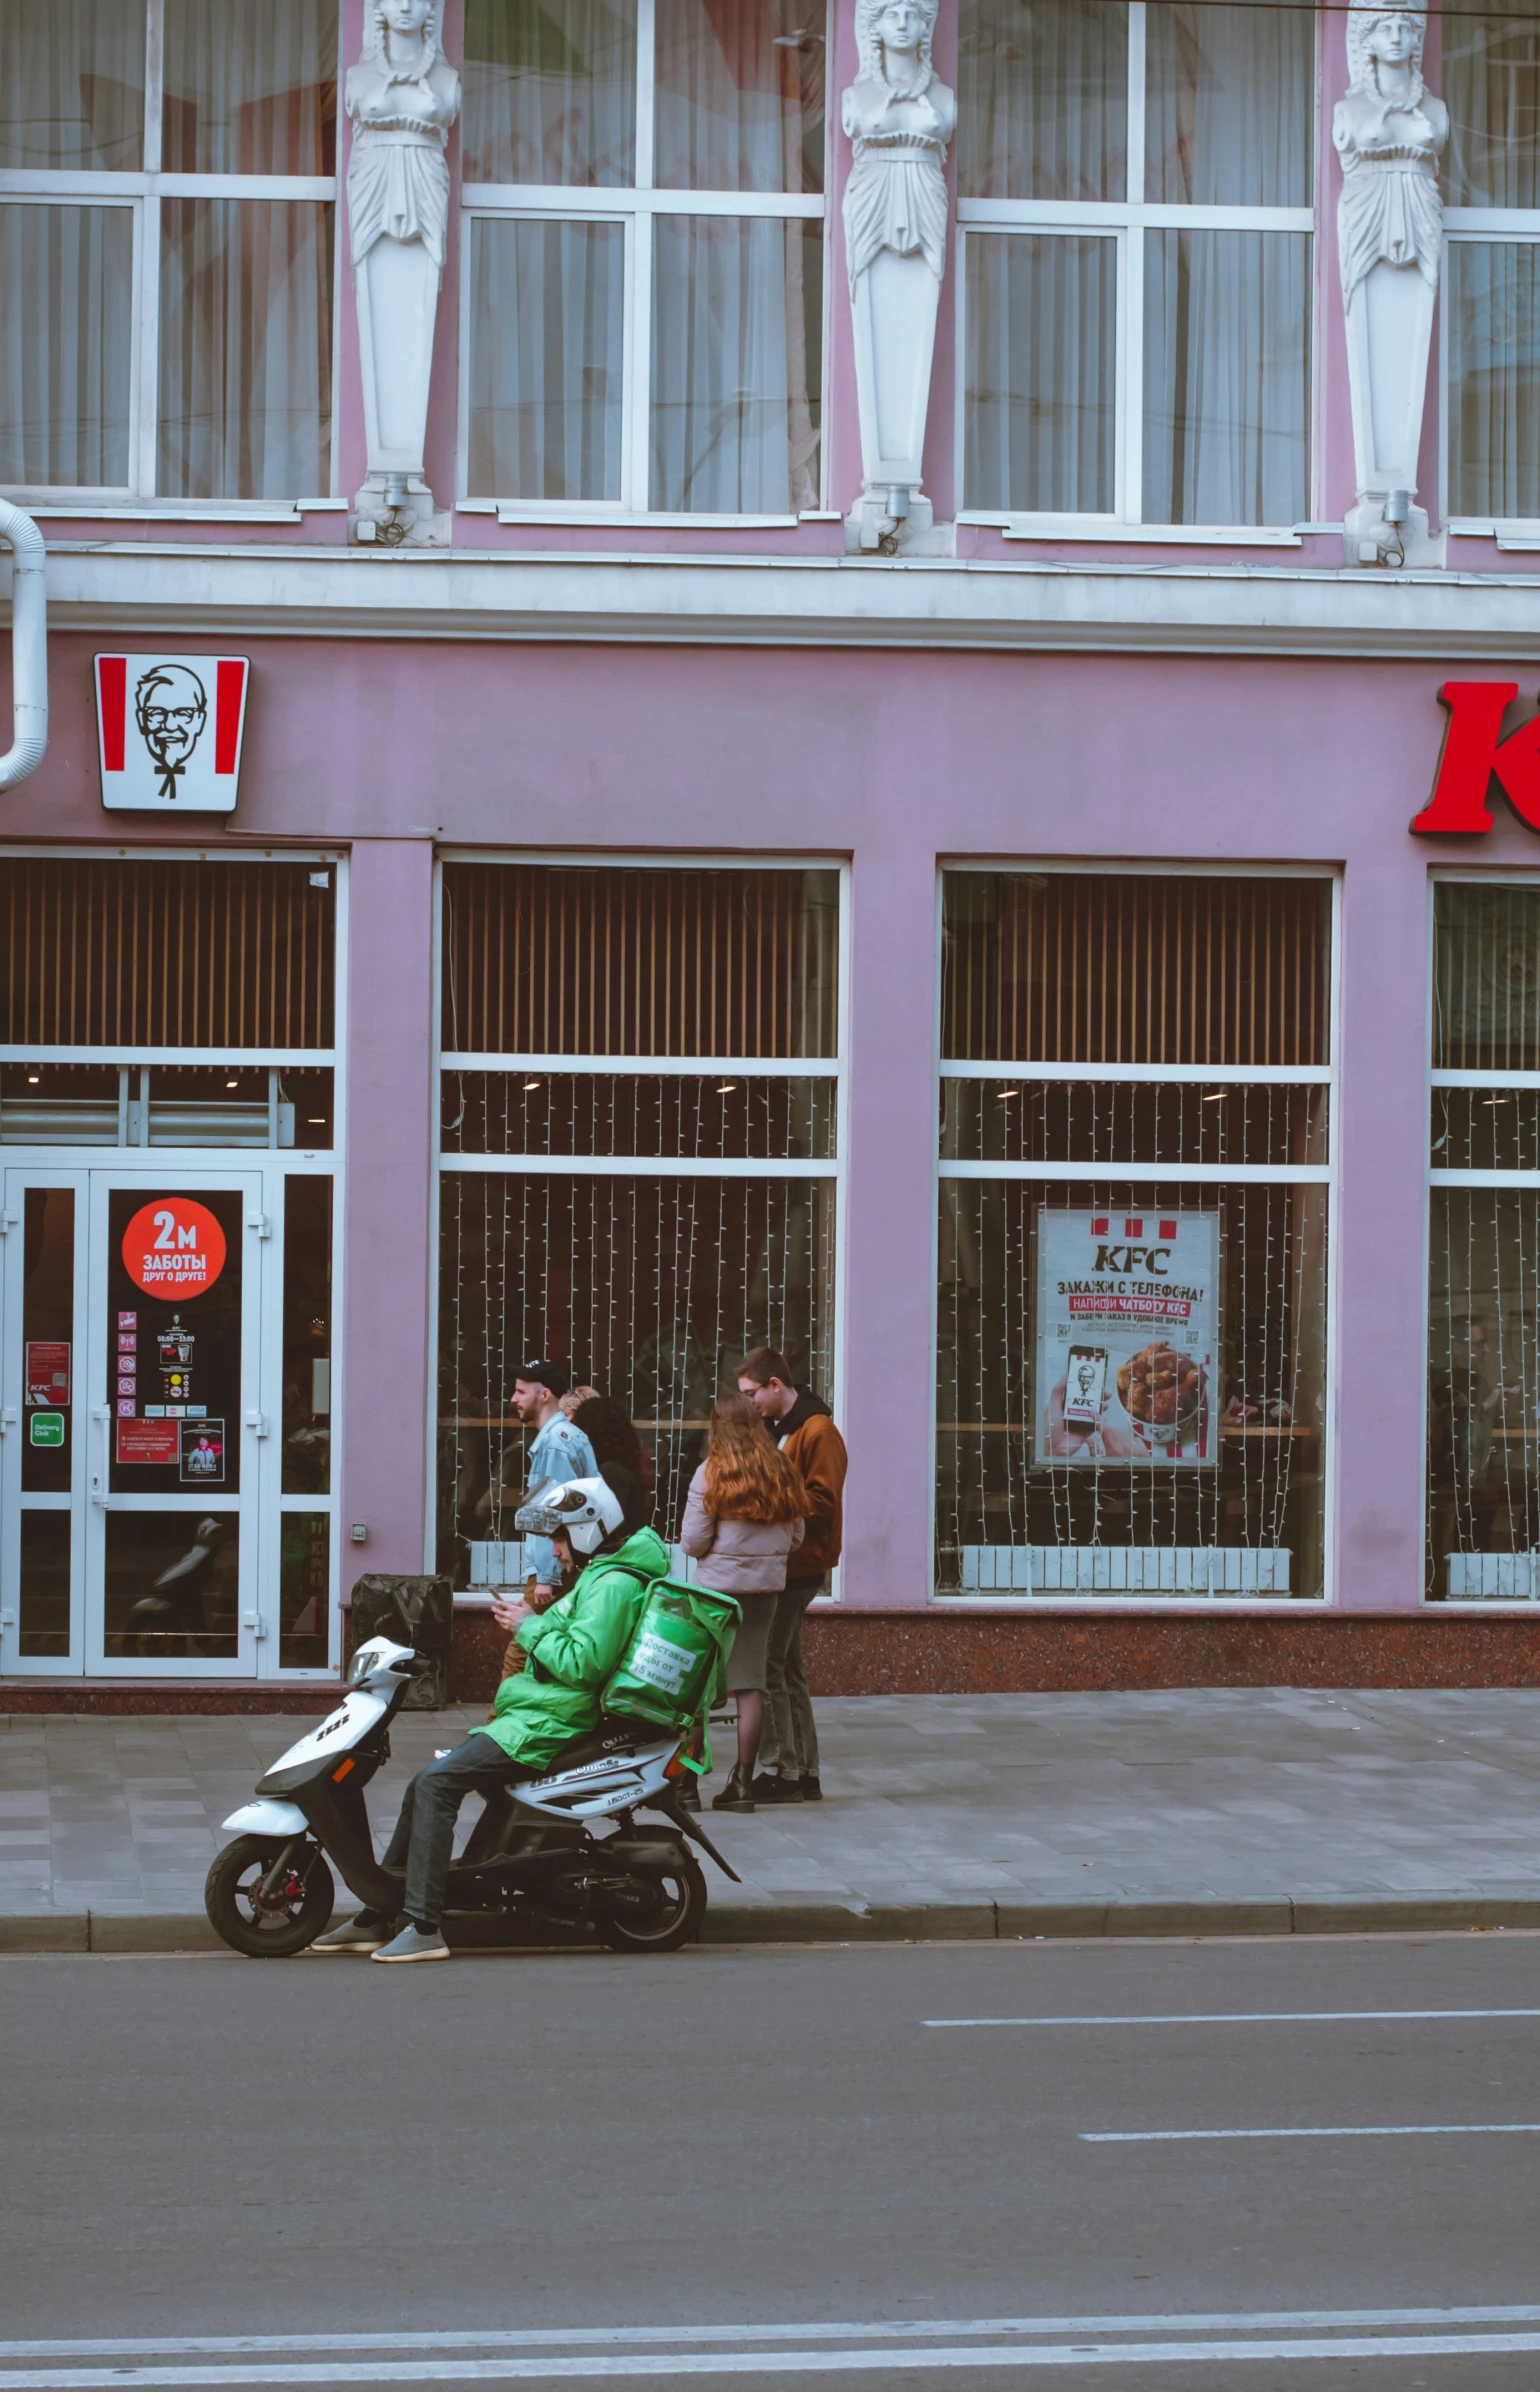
1134	1183
167	206
640	1162
1136	211
1491	314
643	287
1483	1528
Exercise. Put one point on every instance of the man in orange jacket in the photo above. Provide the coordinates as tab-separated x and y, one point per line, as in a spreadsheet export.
804	1427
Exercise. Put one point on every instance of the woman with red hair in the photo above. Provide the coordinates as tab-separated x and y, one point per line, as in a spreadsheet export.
742	1517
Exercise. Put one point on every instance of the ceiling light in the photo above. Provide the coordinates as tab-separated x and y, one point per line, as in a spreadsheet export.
1002	1093
315	1121
1497	1100
727	1088
1218	1097
33	1078
530	1084
232	1083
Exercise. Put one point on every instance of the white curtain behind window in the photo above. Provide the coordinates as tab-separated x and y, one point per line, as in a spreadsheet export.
1042	99
66	289
1490	82
547	332
1041	372
550	92
1226	377
250	87
1492	298
737	307
245	348
740	95
72	83
1229	104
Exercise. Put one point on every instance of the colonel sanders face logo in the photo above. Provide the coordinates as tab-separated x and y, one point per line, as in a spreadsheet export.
171	708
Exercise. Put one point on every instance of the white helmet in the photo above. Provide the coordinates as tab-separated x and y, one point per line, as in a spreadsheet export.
584	1510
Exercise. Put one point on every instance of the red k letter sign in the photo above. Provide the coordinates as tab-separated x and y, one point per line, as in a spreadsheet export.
1475	755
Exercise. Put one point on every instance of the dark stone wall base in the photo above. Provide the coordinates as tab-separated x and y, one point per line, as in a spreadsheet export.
885	1652
932	1652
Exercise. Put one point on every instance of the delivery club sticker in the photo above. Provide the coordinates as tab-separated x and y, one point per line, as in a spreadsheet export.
173	1248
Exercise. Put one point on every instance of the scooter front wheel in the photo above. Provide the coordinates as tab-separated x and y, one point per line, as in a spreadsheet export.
267	1927
654	1913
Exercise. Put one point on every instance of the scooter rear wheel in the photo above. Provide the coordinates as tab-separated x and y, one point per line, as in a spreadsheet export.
260	1930
666	1912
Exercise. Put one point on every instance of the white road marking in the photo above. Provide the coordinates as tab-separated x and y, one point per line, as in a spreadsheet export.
1270	2134
868	2330
1225	2018
615	2366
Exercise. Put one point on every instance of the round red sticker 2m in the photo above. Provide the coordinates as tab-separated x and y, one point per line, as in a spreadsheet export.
173	1248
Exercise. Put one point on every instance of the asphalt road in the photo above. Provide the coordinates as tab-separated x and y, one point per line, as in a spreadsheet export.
537	2169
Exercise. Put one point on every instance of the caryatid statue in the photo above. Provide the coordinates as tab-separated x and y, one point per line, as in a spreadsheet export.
403	96
898	120
1389	132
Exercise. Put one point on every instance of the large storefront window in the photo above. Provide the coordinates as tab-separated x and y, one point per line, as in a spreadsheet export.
639	1139
1134	1209
1484	1247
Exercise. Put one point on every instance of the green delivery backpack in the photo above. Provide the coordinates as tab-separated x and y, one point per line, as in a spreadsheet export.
680	1648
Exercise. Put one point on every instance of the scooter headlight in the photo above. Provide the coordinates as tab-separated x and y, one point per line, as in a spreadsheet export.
363	1661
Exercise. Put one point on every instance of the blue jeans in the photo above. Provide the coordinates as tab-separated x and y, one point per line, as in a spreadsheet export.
424	1839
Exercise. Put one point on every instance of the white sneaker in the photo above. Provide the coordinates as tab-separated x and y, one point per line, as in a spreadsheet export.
366	1933
413	1944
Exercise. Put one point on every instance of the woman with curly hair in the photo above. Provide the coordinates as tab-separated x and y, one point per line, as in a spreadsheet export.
742	1517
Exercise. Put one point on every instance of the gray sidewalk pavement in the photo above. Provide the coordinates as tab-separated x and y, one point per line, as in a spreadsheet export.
1222	1811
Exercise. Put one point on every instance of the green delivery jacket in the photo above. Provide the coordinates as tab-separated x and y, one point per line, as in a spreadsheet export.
575	1649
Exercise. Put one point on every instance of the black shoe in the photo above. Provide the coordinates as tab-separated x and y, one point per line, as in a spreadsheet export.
688	1795
737	1794
768	1789
812	1787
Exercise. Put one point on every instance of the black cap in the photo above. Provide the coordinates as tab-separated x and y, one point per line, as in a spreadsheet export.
545	1374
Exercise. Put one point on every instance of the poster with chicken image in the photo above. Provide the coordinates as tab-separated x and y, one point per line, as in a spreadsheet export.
1127	1338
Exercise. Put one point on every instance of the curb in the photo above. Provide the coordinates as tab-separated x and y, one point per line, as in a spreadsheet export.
891	1923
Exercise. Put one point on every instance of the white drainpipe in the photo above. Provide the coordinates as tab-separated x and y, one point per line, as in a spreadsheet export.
29	646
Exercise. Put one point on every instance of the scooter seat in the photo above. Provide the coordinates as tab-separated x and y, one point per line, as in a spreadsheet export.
613	1734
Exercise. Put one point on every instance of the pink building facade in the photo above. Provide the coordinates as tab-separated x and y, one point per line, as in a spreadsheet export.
694	882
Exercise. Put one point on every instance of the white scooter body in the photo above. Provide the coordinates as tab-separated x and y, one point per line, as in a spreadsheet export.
375	1680
594	1791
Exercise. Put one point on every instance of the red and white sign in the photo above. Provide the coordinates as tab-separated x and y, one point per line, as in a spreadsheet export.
48	1372
152	1442
1127	1337
173	1249
169	730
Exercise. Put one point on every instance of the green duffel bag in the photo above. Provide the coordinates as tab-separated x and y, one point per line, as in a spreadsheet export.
677	1662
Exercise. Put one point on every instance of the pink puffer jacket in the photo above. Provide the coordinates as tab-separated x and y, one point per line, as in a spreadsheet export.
737	1557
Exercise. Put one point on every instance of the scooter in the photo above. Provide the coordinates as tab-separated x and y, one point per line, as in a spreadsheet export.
531	1857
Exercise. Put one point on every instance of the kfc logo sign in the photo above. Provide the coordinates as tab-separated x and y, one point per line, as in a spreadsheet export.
169	730
1475	755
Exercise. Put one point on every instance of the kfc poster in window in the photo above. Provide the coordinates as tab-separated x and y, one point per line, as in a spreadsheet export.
1127	1338
169	732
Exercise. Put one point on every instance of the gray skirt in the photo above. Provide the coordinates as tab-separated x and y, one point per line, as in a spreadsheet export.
751	1644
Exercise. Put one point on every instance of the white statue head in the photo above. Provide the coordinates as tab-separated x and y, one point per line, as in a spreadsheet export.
911	25
1394	35
405	17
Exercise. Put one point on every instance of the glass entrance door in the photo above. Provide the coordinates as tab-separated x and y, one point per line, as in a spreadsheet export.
135	1453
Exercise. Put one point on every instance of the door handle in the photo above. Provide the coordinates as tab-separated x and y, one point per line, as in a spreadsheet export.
258	1422
254	1621
261	1223
103	1419
7	1419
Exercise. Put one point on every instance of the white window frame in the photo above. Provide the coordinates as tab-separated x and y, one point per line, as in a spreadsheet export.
1136	1174
1509	1083
278	1165
1480	228
142	191
636	208
833	1068
1126	222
